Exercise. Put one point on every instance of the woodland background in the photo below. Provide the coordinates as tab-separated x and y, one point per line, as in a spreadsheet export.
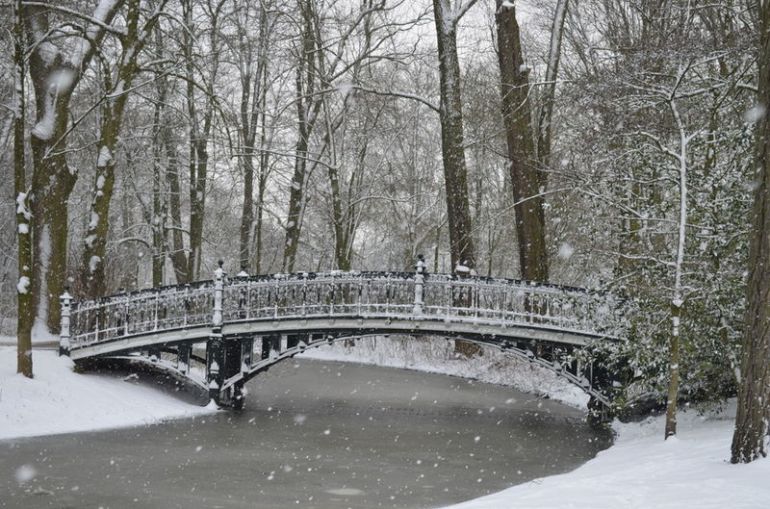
596	143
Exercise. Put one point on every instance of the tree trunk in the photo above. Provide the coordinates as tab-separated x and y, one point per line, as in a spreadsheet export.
264	160
549	90
55	72
305	86
24	295
247	213
158	218
177	252
526	181
753	415
200	130
452	144
92	273
673	370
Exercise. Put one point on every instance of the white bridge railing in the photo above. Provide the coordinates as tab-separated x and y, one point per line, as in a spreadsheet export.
413	296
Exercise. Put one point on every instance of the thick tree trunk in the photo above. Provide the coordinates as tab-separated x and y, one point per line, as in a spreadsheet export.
753	415
50	224
526	180
452	144
24	295
54	72
461	247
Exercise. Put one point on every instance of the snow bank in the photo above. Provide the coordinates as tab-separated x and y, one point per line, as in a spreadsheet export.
40	337
58	400
643	471
436	355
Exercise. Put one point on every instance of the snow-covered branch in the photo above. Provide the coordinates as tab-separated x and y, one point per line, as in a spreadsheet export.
91	19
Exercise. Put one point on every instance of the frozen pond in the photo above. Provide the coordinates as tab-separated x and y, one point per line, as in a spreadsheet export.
314	435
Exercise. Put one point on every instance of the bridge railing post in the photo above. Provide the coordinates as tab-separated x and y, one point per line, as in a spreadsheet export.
155	310
243	293
66	309
214	348
419	285
219	285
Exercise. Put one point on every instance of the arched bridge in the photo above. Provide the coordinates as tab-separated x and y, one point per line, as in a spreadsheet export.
221	333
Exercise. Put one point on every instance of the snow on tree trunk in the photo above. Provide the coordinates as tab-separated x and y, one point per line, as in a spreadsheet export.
753	413
93	279
677	301
56	66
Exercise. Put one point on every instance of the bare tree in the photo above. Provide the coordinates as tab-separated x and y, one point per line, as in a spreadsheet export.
308	107
545	115
527	181
447	14
200	125
252	51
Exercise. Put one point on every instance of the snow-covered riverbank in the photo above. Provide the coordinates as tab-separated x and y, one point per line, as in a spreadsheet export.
58	400
642	471
436	355
639	471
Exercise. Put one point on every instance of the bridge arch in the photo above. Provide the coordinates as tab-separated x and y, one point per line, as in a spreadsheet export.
231	315
565	368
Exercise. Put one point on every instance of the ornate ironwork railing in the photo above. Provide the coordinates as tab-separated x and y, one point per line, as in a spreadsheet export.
411	296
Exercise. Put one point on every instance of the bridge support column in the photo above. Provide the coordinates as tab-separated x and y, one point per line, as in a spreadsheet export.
215	360
153	354
247	353
183	353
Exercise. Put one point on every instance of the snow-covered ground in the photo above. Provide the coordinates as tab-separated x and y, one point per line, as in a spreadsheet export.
641	470
58	400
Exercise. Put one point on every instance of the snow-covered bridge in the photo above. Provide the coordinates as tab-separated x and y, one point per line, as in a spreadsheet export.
232	328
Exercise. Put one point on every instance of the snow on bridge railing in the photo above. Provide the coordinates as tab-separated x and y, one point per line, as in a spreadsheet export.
402	295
